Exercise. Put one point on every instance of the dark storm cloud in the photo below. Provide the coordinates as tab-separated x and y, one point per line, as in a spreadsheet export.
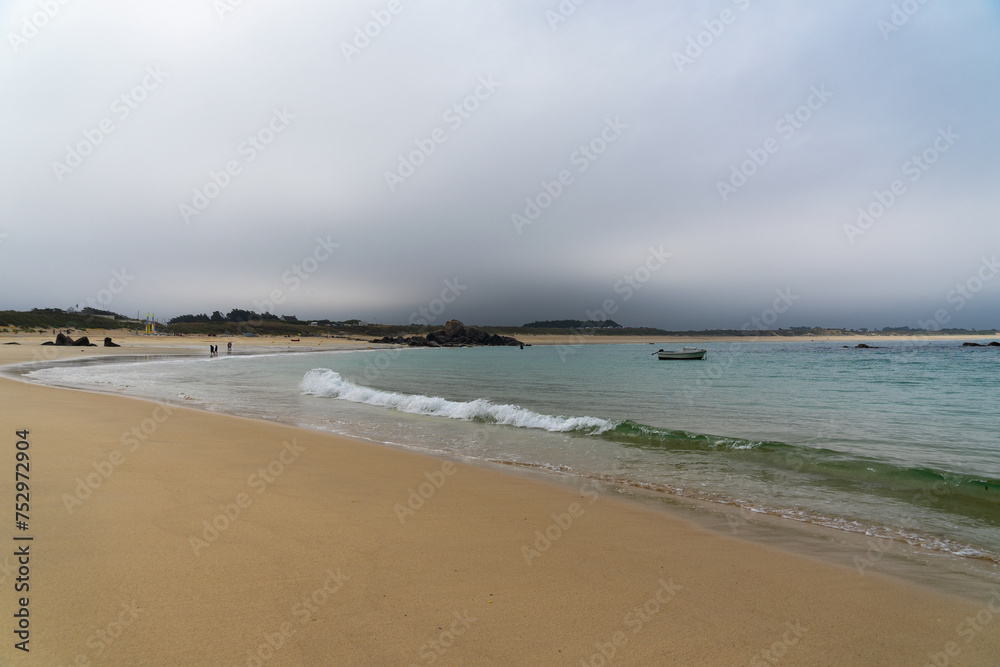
340	162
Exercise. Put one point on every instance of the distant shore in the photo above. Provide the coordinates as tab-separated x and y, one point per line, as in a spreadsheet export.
653	340
241	344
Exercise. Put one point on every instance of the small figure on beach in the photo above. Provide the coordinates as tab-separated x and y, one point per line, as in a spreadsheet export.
229	347
211	351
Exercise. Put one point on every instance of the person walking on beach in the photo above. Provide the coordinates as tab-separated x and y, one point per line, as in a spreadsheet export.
229	347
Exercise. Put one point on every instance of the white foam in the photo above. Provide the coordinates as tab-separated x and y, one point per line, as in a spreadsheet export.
329	384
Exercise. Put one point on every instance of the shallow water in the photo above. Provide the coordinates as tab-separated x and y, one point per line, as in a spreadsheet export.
898	442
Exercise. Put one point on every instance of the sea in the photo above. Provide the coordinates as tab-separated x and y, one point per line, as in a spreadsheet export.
895	444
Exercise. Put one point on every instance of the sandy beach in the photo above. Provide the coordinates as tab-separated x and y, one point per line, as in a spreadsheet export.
163	536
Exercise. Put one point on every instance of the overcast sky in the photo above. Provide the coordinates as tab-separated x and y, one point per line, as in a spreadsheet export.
693	164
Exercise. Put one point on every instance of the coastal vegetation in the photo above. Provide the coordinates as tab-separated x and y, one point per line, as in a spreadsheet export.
237	322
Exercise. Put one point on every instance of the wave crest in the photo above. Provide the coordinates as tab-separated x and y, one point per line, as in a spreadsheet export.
325	383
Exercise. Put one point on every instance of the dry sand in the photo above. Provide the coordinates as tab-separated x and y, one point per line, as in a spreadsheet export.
312	560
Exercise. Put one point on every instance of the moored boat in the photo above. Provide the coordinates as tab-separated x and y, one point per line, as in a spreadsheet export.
686	353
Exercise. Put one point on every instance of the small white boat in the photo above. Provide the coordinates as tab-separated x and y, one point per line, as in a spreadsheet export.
686	353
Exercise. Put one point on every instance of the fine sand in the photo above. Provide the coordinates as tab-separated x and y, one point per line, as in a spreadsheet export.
168	536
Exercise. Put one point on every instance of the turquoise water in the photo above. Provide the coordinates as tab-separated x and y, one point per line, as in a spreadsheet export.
900	441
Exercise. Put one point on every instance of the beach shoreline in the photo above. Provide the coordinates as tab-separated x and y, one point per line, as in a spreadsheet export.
549	570
197	342
964	576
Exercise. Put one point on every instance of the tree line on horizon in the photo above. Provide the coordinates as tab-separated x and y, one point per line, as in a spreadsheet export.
573	324
57	318
239	316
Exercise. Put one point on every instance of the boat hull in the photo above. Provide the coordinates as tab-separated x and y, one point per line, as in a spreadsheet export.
682	356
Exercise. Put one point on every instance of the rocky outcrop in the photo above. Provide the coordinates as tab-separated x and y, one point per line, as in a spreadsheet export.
66	341
862	346
454	334
108	342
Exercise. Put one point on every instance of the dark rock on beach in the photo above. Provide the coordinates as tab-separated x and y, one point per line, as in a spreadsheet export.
454	334
108	342
66	341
